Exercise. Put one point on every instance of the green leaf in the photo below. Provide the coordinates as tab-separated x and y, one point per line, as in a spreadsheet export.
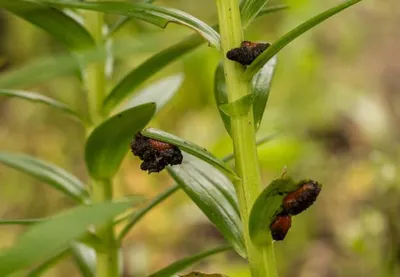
160	93
261	85
48	173
214	194
239	107
47	239
272	9
266	207
147	69
48	264
56	23
108	144
221	94
280	43
85	259
249	10
137	215
176	267
159	16
21	221
35	97
50	67
190	148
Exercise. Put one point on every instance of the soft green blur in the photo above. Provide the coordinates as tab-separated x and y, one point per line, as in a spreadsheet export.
335	98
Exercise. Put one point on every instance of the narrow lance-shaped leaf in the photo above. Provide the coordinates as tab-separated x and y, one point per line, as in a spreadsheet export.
176	267
35	97
55	22
272	9
261	85
159	92
214	194
156	15
108	144
147	69
46	68
266	207
42	268
47	239
47	172
137	215
280	43
249	10
190	148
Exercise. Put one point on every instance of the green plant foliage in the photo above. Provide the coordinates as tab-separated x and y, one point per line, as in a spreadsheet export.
108	144
48	264
46	68
61	230
238	107
156	15
147	69
267	207
35	97
59	25
280	43
214	194
261	85
137	215
249	10
190	148
159	92
176	267
48	173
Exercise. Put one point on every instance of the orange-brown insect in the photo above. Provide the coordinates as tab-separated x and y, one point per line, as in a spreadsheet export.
159	145
280	226
302	198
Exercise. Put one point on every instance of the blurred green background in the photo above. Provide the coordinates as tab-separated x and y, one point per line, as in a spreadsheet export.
335	99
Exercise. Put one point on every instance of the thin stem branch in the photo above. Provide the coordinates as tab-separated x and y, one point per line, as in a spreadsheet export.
261	260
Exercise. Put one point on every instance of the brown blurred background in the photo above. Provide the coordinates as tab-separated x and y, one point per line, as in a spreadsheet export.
335	97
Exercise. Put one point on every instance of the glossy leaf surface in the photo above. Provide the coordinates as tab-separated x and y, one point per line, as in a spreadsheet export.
59	25
38	98
153	14
108	144
47	239
49	173
214	194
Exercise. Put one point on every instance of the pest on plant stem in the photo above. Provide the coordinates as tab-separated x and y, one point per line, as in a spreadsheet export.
280	226
299	200
156	155
247	52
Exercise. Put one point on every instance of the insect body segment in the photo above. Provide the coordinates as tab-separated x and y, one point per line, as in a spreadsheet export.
247	52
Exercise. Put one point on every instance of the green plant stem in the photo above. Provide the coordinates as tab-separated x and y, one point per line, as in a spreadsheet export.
261	259
107	256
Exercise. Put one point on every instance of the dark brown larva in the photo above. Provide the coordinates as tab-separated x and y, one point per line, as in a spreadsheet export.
247	52
156	155
280	226
302	198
